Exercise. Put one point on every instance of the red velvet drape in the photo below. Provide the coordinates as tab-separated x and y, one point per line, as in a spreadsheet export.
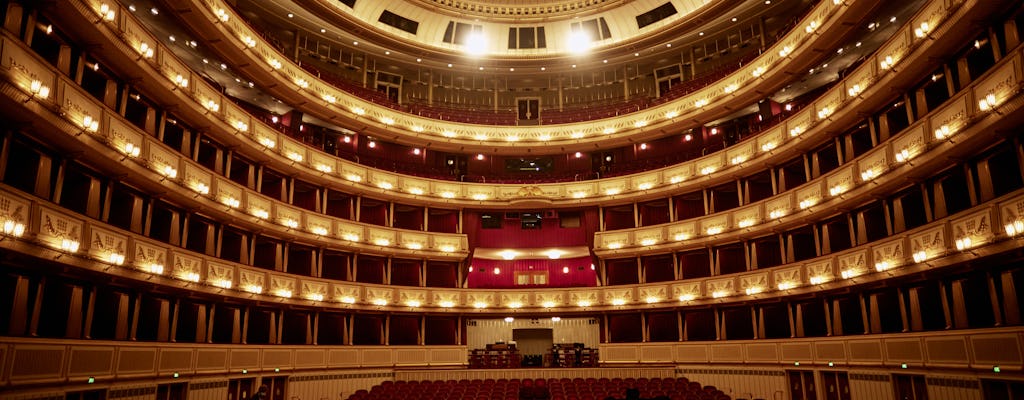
622	271
625	328
404	330
658	268
442	274
405	272
663	327
370	269
367	329
440	330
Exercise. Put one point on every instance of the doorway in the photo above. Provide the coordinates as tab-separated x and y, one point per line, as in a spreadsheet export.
533	344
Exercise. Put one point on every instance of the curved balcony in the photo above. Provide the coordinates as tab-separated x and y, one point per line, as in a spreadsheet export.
44	231
953	130
291	83
860	90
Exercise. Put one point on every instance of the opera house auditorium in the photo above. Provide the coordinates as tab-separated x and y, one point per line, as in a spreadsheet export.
511	199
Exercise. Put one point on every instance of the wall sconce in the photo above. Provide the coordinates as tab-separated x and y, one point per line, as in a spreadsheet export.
13	228
190	276
1014	228
923	30
222	283
887	63
231	202
169	172
903	155
154	268
854	90
115	258
181	81
90	124
260	213
212	105
106	13
36	88
254	289
987	103
145	51
943	132
221	14
963	243
249	41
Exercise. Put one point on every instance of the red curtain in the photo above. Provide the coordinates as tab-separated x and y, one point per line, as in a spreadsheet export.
654	212
370	269
442	221
404	330
625	328
366	329
408	217
442	274
690	205
768	252
300	260
622	271
373	212
619	218
335	266
658	268
405	272
731	259
695	264
663	327
568	272
440	330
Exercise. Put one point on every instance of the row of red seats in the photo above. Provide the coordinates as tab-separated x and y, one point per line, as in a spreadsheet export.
471	116
595	111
